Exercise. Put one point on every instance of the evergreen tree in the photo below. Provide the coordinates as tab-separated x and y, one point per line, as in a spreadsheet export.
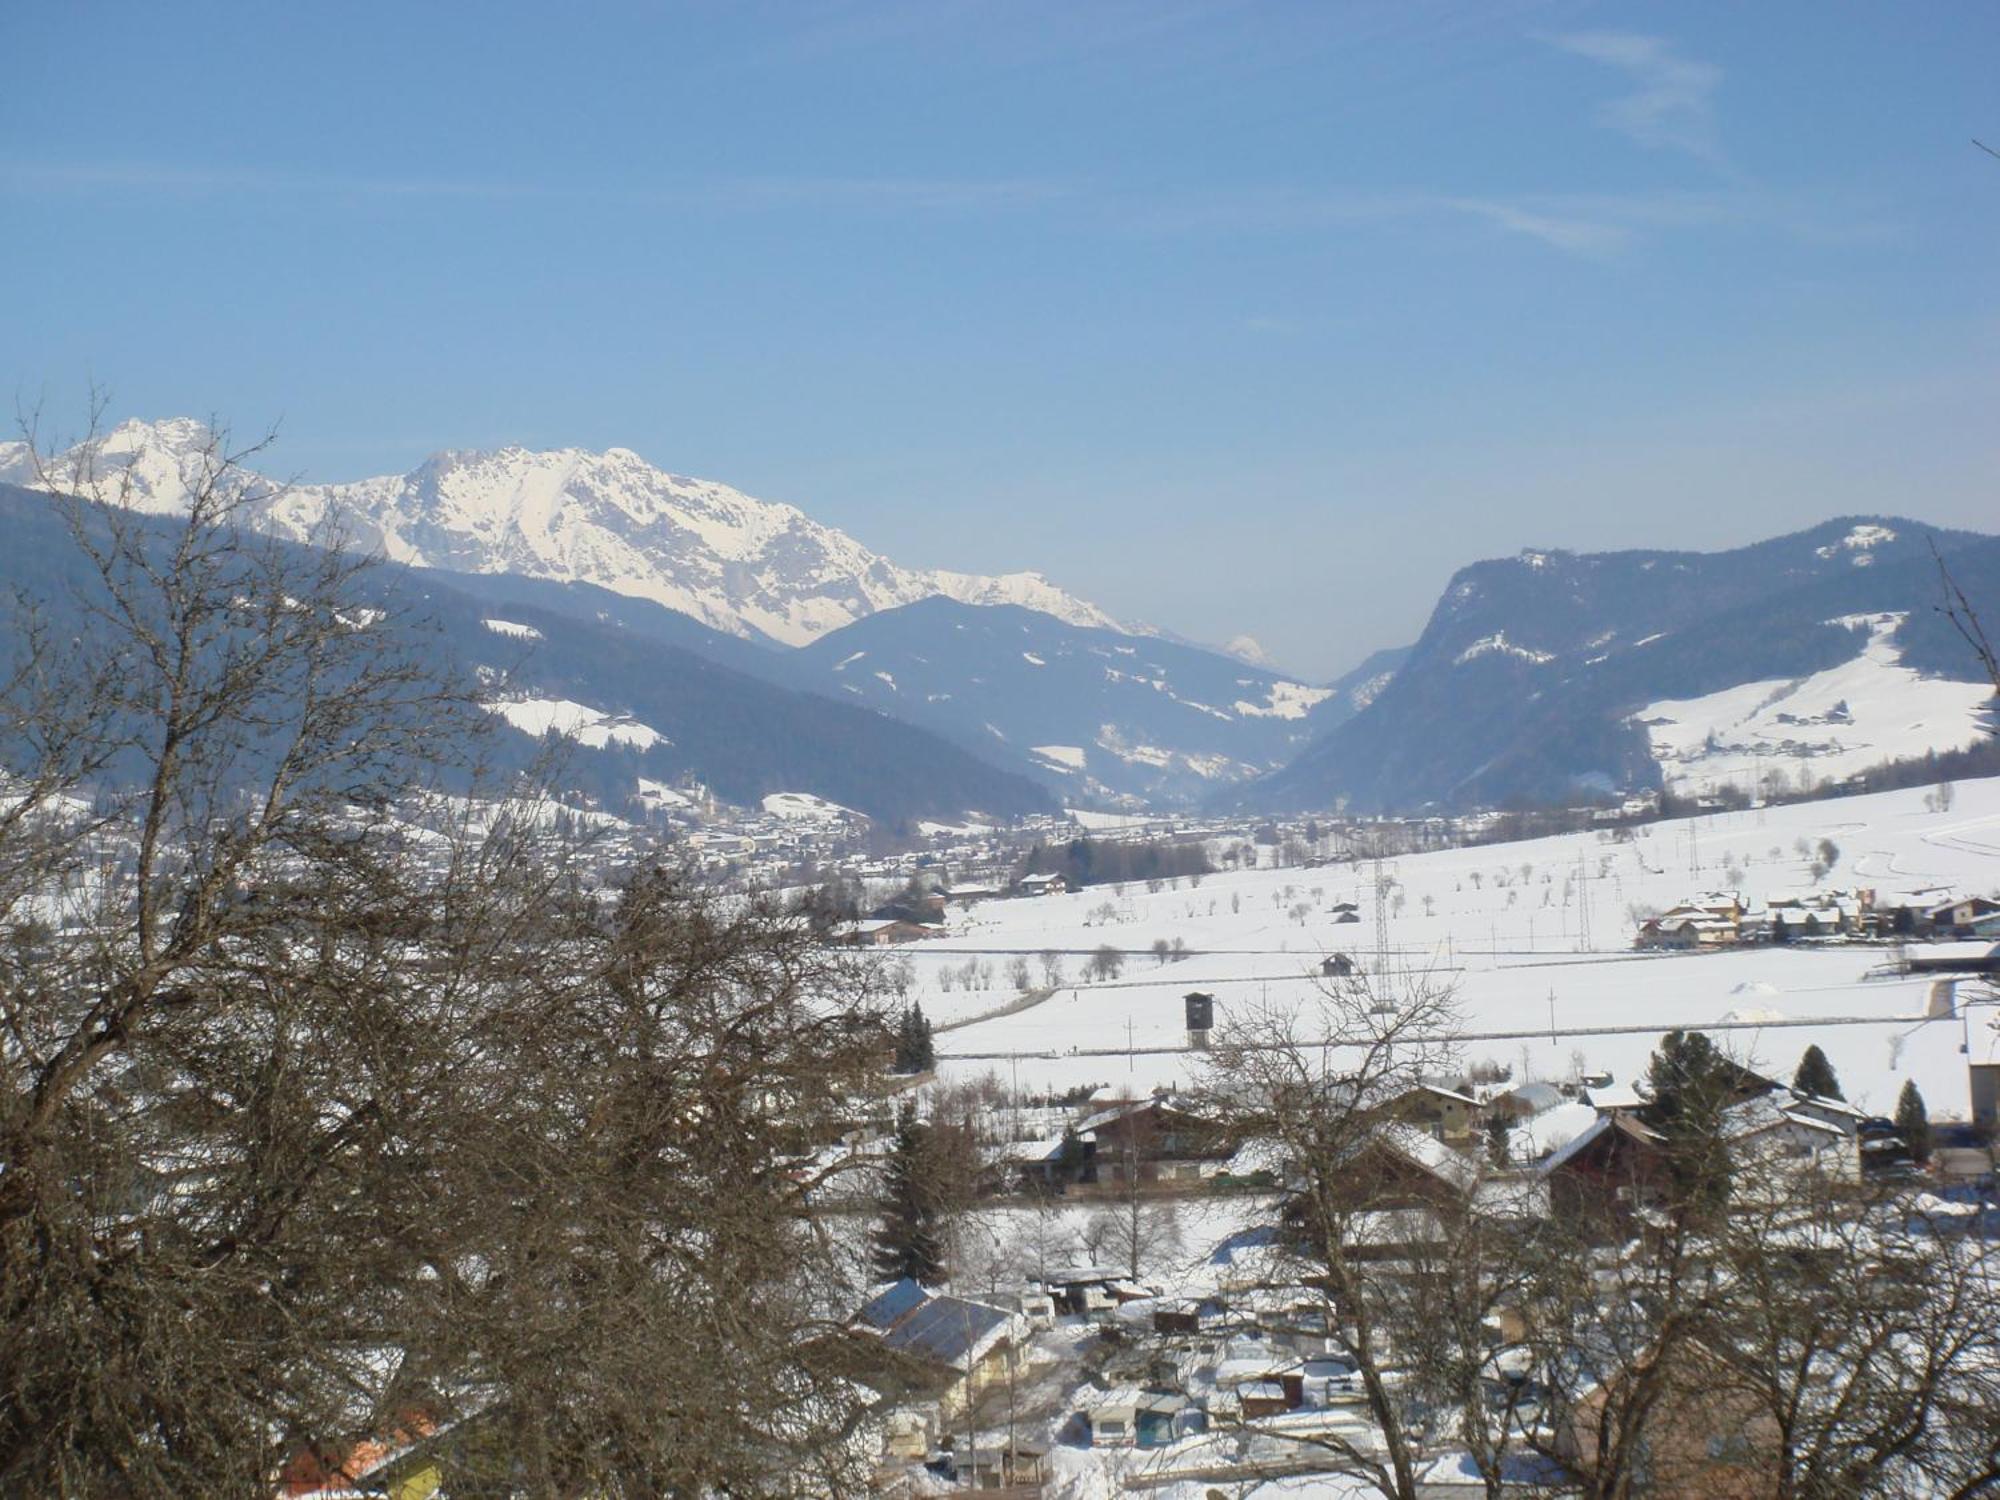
1070	1156
1780	932
1691	1083
1816	1076
907	1242
915	1051
1499	1130
1913	1122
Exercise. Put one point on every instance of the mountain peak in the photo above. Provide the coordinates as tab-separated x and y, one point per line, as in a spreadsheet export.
176	434
152	466
755	568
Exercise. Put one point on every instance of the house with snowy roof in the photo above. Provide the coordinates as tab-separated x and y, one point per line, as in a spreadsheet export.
1962	914
1446	1113
1157	1139
880	932
1606	1173
963	1347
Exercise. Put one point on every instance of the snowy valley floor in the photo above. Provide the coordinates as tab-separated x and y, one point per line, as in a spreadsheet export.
1535	937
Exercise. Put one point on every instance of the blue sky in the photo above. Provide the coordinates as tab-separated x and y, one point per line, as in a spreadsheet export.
1232	317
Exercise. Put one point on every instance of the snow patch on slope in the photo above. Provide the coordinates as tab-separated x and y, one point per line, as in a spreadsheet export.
577	721
1858	541
1498	644
513	628
805	805
1828	726
1285	700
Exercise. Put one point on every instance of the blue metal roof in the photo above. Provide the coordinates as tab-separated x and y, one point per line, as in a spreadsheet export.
893	1304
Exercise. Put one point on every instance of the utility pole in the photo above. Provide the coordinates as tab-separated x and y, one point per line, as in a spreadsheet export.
1582	901
1381	917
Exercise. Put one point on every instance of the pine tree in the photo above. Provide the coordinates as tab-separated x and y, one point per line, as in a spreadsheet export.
1070	1156
1691	1083
915	1051
1816	1076
1913	1122
907	1242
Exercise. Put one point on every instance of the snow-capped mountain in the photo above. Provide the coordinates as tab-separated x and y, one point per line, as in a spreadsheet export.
641	699
754	568
1095	714
1554	674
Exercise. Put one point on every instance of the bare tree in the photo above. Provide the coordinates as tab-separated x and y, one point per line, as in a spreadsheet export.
1320	1087
1104	964
336	1106
1964	618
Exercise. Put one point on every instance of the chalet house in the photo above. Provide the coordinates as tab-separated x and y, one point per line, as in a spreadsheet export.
1048	1163
1714	920
1401	1166
1963	913
1836	1112
1336	966
1776	1134
1820	914
1051	884
1156	1138
1608	1172
1442	1112
1672	932
963	1347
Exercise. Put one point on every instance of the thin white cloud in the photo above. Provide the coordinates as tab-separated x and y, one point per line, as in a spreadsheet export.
1672	105
1578	224
1571	235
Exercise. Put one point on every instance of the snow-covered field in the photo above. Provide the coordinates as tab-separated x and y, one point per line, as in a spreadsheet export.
1825	727
1505	925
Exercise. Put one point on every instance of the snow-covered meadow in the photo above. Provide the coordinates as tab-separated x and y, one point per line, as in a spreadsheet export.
1536	937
